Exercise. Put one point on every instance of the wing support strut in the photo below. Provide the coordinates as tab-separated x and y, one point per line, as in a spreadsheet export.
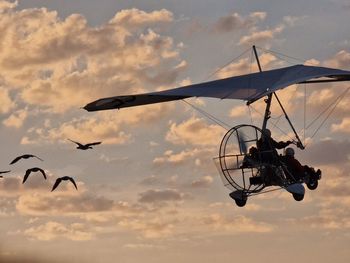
299	143
267	114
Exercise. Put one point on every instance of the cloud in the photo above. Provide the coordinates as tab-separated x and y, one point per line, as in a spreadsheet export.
245	66
194	131
154	228
6	102
188	155
261	36
235	225
156	196
58	65
62	203
327	152
202	182
136	17
150	180
54	230
340	60
344	126
108	127
17	119
6	5
235	22
12	185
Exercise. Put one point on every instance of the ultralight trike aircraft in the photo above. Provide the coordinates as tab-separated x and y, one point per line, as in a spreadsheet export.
242	166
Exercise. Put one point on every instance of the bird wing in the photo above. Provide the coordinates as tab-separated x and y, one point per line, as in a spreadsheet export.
16	159
26	175
4	172
43	172
93	143
78	143
58	181
73	182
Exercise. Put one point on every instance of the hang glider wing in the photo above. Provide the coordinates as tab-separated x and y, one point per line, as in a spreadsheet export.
249	87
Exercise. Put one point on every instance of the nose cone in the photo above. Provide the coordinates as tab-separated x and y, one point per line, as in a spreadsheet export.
102	104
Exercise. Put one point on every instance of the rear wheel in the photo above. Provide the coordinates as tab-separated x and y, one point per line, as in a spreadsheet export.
298	197
312	185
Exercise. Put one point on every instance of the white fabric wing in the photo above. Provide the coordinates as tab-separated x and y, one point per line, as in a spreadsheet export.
249	87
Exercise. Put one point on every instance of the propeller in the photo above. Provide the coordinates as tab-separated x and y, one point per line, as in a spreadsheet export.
242	140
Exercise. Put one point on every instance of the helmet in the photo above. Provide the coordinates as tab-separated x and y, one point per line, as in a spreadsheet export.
267	132
290	151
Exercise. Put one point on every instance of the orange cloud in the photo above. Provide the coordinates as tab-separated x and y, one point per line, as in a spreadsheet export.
110	127
202	182
344	126
194	131
54	230
260	36
136	17
340	60
65	63
238	224
169	157
7	103
17	119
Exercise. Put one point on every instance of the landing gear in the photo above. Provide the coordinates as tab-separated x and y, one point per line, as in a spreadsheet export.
298	197
241	202
240	198
312	185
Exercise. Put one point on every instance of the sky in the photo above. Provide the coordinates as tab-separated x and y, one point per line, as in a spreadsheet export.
151	192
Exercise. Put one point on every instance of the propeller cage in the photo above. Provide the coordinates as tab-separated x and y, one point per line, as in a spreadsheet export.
237	170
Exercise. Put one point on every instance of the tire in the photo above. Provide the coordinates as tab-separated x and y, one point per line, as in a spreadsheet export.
241	202
298	197
312	185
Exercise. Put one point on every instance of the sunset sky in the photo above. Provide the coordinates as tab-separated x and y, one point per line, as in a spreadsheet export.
151	192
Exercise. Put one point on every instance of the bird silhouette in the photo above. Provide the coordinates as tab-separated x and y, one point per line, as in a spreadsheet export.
33	170
64	178
85	146
24	156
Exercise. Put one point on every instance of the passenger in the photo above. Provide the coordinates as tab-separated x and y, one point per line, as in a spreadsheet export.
267	147
297	171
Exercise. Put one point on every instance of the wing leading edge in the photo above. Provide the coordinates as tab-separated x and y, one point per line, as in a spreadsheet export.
249	87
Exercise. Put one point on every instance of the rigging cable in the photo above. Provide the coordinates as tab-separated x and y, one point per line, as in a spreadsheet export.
209	116
328	107
336	104
278	54
304	113
273	124
224	66
203	112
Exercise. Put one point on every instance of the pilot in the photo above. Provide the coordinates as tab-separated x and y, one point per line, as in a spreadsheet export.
267	147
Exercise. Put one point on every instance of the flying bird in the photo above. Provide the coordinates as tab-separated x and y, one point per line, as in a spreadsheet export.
64	178
25	156
85	146
33	170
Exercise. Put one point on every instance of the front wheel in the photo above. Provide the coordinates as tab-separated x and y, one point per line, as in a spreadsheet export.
241	202
312	185
298	197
